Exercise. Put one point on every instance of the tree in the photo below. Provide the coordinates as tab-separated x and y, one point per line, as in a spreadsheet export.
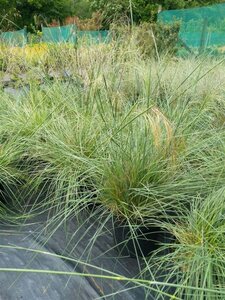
82	9
18	13
111	10
25	12
143	10
139	10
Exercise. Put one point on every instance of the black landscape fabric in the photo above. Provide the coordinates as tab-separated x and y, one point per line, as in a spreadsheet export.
68	241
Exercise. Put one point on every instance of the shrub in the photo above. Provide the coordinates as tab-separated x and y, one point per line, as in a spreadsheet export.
157	39
93	23
153	39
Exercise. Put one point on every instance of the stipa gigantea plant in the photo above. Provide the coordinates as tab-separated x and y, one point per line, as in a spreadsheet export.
27	114
201	167
124	86
10	153
23	118
217	113
65	156
160	126
137	166
24	121
62	135
37	113
197	258
12	179
144	152
205	162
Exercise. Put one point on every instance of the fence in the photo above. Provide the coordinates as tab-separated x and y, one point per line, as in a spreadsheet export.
14	38
61	34
94	37
201	27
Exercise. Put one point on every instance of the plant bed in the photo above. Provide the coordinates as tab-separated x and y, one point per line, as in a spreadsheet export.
138	241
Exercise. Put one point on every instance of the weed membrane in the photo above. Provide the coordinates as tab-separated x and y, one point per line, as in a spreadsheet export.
84	247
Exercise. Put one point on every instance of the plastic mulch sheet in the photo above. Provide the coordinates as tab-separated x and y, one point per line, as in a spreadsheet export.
89	244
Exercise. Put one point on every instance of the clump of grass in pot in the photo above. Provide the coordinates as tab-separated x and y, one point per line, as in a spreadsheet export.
67	152
144	152
11	180
196	262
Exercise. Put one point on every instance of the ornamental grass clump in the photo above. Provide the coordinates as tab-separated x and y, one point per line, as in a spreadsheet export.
144	152
12	178
141	136
205	162
10	153
65	154
196	260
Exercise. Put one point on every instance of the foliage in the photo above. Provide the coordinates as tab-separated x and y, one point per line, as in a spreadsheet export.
146	152
82	9
152	39
141	10
92	23
197	258
142	137
156	39
34	12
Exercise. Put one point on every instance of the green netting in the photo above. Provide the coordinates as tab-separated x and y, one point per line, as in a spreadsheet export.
62	34
94	37
14	38
201	27
70	34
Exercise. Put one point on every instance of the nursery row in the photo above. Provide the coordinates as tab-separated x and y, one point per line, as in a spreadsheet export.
140	138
